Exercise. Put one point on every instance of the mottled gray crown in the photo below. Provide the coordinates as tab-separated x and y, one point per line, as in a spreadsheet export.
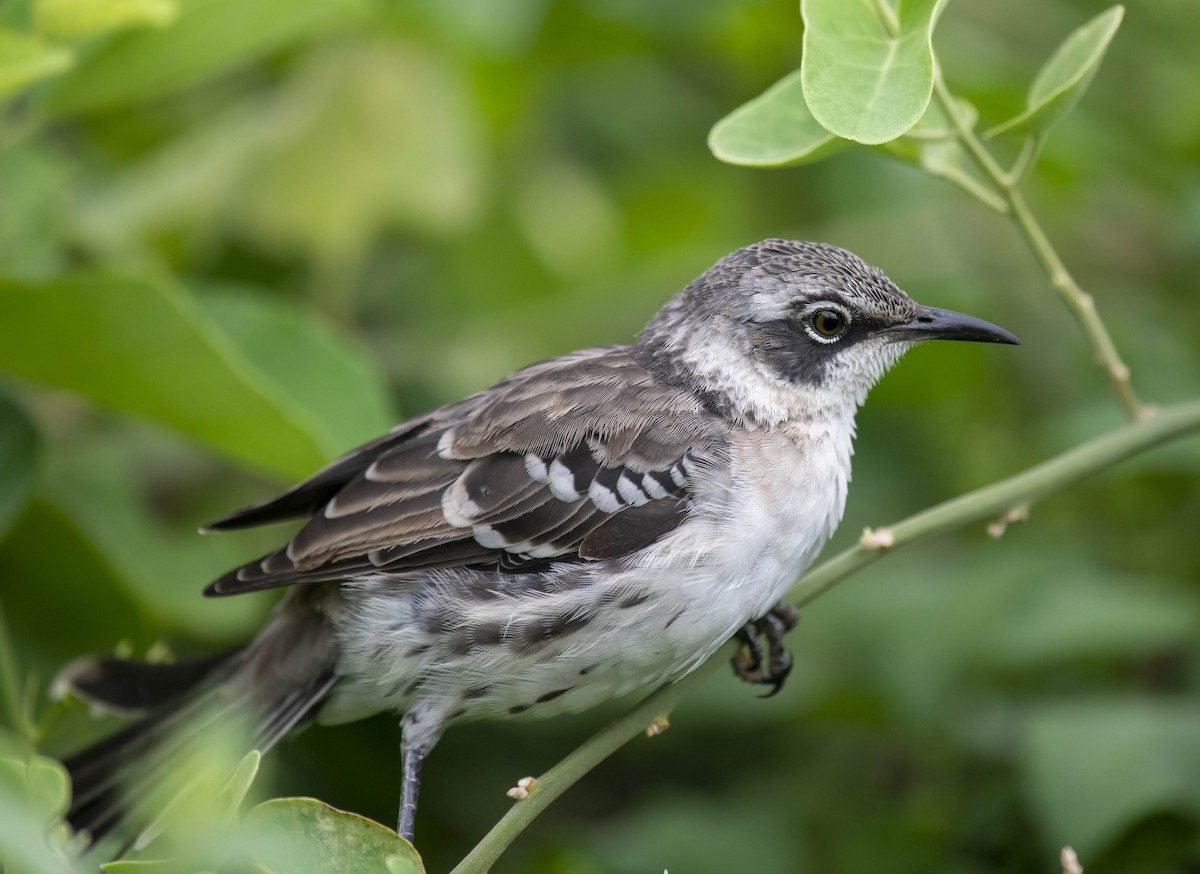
771	279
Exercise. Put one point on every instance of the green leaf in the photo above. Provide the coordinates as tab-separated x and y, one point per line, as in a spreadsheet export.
323	371
933	146
18	456
1092	770
83	19
209	37
99	478
49	787
34	793
242	778
141	866
401	865
25	59
143	346
774	129
1093	614
1064	78
867	73
41	783
306	836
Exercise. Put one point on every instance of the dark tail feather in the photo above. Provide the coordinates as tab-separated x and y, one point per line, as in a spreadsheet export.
138	687
100	772
272	686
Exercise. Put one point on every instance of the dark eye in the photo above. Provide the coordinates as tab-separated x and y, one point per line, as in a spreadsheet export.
829	323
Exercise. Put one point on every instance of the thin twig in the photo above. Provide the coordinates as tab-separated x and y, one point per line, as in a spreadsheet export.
588	755
1080	302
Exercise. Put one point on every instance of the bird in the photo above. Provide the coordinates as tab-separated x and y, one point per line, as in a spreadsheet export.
590	525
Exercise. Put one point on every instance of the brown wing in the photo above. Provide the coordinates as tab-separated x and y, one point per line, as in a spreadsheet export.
583	457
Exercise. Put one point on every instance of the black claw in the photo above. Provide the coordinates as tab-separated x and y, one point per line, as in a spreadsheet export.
748	661
777	677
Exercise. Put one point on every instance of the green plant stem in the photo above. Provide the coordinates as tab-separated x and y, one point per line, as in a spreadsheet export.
552	784
1019	490
968	183
1079	301
1022	489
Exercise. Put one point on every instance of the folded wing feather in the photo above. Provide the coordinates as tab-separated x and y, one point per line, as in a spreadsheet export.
580	458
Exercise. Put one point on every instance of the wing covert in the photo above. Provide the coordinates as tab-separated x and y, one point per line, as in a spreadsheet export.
535	470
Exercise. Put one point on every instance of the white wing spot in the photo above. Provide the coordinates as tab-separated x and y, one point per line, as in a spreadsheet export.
486	535
629	491
677	475
459	510
562	482
652	487
603	498
536	468
546	550
445	447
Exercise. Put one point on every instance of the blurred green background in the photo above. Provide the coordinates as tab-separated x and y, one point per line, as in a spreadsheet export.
236	239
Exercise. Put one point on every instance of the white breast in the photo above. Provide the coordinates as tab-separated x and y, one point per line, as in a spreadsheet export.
790	495
749	536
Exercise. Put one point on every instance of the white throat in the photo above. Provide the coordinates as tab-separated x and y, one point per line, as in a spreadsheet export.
762	399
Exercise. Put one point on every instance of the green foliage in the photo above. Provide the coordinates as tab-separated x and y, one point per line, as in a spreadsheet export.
24	59
84	19
207	38
1092	768
1064	78
200	806
233	237
317	839
34	792
775	129
867	74
18	456
144	346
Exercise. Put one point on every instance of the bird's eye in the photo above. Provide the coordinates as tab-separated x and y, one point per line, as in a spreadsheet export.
829	324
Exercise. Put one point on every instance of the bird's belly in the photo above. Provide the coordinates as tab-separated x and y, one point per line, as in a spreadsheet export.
529	652
540	644
791	499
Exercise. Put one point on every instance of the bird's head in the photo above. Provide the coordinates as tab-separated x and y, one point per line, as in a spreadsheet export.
784	329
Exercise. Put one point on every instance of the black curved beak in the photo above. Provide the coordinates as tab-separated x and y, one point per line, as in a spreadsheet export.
931	323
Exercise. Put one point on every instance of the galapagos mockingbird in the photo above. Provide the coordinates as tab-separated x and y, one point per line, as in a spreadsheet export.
587	526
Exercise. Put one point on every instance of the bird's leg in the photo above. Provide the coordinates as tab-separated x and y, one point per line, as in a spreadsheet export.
772	666
420	728
409	788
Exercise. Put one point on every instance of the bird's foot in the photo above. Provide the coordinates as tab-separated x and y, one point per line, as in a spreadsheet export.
770	666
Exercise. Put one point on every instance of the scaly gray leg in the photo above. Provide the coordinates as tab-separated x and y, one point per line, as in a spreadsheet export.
420	729
409	788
